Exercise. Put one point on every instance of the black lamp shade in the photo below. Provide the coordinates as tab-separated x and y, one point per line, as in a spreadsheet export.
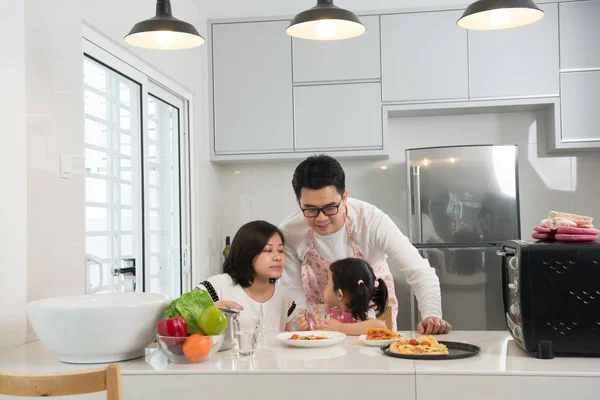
164	32
325	21
500	14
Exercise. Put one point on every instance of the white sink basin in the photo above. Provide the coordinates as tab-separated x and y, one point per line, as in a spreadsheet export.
98	328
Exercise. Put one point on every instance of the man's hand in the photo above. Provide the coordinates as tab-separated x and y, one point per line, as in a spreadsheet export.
433	326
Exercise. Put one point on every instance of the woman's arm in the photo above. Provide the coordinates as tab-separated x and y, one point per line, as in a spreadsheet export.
288	327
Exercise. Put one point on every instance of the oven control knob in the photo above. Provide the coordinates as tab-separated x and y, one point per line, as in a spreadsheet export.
517	332
514	286
515	309
513	263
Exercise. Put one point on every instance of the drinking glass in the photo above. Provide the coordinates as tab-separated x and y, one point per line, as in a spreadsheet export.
248	333
316	310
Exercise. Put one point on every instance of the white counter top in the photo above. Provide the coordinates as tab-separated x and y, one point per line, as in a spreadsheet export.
499	356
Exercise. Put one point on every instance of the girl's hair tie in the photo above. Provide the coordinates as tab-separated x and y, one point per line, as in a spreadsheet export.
360	282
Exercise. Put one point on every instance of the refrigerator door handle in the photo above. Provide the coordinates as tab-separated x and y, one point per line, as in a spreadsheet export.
417	234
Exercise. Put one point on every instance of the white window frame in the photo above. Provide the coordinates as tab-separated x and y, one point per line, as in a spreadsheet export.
106	50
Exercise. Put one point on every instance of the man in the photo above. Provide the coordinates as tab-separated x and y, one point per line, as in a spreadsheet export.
330	226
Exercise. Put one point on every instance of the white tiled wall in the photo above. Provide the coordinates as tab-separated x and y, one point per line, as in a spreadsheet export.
54	83
13	209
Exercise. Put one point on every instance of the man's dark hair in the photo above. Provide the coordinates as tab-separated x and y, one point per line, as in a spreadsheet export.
317	172
249	241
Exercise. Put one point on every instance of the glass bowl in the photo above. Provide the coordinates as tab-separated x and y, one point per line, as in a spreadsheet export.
191	349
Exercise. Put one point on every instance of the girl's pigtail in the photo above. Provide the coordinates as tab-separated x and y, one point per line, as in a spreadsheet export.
380	296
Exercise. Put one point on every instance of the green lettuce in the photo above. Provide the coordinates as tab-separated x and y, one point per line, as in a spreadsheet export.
190	306
171	311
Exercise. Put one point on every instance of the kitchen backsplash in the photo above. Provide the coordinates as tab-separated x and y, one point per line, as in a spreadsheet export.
264	190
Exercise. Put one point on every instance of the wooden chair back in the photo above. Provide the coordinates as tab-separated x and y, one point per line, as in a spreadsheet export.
63	383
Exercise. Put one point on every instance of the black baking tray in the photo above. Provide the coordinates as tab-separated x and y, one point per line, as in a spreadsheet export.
456	350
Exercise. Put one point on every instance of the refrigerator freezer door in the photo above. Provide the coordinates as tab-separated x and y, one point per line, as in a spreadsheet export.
463	195
471	285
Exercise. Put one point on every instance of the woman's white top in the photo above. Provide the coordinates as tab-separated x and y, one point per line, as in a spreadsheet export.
274	313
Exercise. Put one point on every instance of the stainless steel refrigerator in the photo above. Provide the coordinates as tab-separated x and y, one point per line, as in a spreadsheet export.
463	203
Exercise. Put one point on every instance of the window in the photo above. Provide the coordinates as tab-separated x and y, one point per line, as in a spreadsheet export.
135	179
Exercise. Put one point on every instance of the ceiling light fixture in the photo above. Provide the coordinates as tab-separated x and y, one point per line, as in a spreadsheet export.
325	21
487	15
164	32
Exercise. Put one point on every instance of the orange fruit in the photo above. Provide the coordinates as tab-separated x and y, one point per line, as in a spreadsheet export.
197	347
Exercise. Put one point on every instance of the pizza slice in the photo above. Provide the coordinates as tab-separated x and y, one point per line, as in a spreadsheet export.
381	334
424	345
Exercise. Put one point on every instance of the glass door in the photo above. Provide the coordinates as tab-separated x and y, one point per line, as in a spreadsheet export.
162	146
113	186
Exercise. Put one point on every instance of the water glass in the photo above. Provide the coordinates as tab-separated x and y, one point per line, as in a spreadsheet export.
316	310
248	333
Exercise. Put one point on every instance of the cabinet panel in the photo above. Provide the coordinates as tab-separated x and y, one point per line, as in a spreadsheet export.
424	57
252	77
580	34
344	116
580	104
516	62
335	60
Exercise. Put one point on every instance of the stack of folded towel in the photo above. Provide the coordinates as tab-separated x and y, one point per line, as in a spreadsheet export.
565	227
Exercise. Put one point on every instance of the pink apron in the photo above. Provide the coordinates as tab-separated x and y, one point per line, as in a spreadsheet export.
314	274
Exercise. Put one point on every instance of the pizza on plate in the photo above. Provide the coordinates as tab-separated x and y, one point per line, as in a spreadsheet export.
307	337
381	334
424	345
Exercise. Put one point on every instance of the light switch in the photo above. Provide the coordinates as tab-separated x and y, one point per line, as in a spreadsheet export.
66	164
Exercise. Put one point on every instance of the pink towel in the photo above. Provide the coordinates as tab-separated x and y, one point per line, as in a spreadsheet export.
541	236
565	237
577	231
543	229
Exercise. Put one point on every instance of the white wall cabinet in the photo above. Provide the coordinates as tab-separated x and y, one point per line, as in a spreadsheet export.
520	62
424	57
580	105
338	117
278	97
580	34
252	78
339	60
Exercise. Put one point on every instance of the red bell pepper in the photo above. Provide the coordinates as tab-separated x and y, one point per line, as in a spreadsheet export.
175	327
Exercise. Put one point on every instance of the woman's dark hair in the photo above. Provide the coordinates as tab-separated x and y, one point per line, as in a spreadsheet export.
248	242
347	275
317	172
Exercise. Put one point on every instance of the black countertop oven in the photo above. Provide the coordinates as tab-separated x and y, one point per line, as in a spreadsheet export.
552	296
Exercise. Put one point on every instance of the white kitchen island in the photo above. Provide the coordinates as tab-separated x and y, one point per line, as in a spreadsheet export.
349	369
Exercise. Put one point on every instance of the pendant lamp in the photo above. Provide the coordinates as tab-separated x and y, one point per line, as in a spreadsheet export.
487	15
164	32
325	21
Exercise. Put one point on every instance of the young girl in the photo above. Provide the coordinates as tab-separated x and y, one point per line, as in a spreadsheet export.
251	269
351	289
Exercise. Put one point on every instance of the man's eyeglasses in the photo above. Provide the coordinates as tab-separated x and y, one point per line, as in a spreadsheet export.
313	212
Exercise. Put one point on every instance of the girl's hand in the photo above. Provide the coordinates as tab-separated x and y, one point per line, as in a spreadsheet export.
433	326
302	321
229	304
322	324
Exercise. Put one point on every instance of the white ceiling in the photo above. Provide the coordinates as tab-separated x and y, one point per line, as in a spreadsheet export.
212	9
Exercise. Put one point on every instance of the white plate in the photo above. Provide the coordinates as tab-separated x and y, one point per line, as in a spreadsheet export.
332	338
377	343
